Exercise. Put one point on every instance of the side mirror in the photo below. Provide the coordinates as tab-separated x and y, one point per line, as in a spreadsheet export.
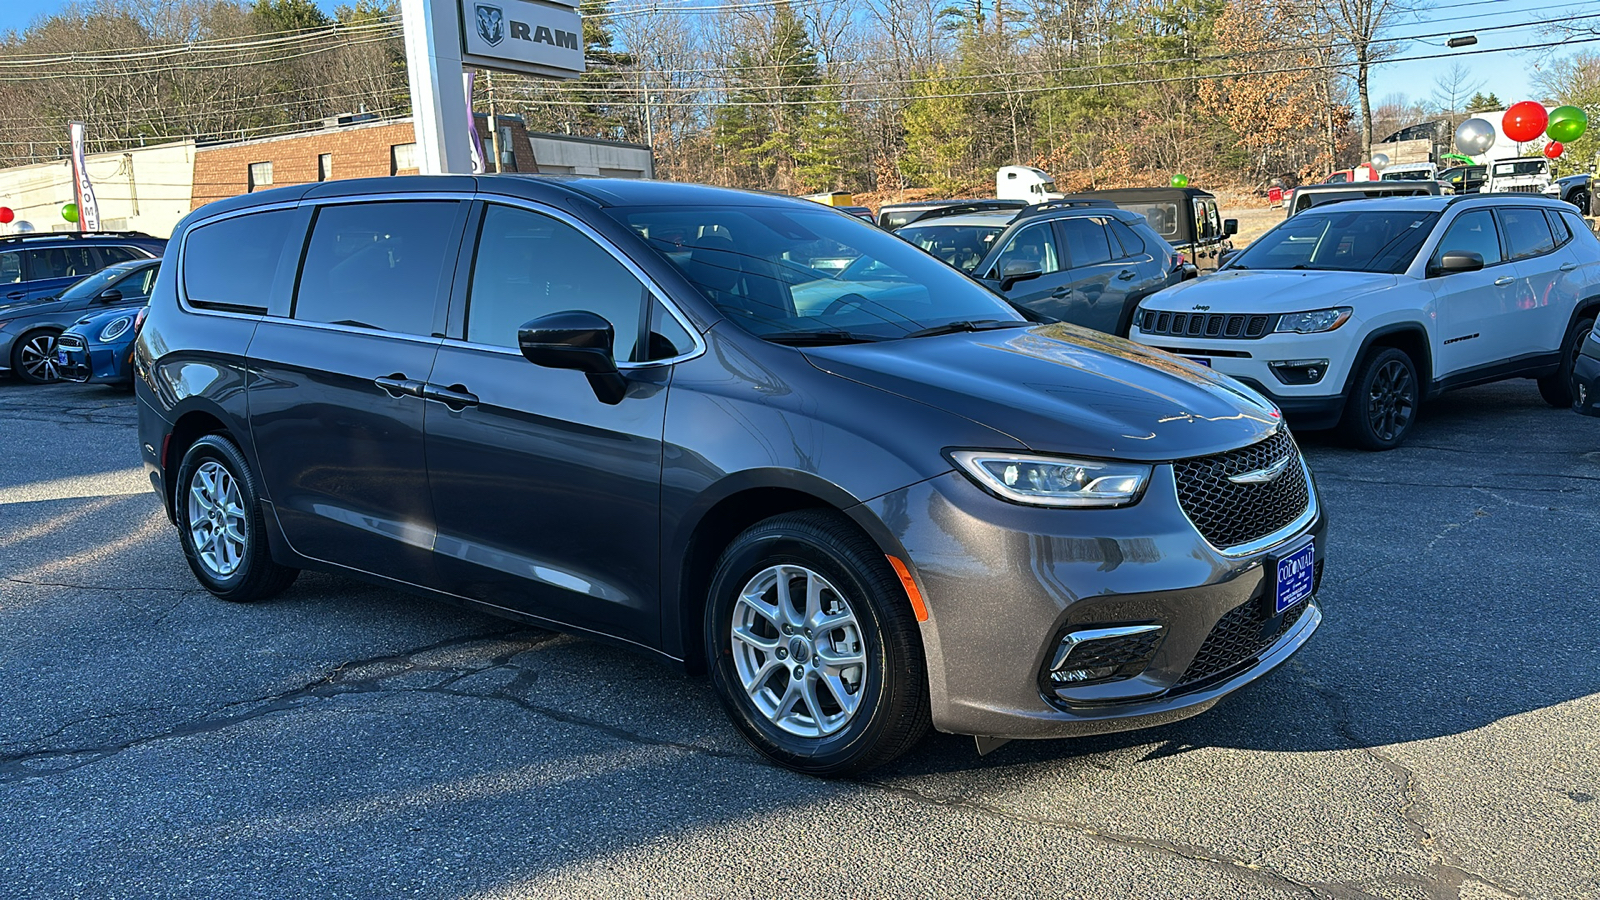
1227	255
1458	261
1230	227
111	296
1018	270
576	340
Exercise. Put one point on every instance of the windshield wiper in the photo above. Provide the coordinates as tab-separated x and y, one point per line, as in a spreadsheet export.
818	338
966	325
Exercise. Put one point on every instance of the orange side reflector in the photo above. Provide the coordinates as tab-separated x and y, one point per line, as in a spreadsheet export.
917	606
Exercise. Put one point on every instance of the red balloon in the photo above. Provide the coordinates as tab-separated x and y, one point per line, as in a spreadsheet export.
1554	149
7	216
1524	121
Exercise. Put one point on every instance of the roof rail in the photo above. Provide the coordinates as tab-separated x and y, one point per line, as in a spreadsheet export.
1048	206
970	206
58	235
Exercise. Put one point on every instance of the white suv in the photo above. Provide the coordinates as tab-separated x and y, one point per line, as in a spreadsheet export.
1353	313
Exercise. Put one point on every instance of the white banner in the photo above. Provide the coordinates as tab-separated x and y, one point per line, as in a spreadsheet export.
478	165
82	190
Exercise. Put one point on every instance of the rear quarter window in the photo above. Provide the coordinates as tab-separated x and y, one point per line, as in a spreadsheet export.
230	264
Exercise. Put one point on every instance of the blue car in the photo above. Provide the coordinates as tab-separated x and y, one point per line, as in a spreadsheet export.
98	348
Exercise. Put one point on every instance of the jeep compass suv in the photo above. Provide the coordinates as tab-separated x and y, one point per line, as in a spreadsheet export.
1353	314
662	415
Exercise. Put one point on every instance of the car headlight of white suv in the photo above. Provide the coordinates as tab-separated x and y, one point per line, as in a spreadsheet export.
1313	322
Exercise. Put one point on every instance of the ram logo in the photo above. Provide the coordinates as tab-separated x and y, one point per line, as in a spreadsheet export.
491	23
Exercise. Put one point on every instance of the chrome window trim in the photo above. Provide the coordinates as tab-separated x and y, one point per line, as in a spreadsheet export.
348	329
616	253
1287	532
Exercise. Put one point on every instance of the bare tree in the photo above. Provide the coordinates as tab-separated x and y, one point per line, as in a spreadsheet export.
1453	87
1361	26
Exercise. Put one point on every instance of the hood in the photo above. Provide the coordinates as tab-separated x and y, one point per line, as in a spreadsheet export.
1574	180
95	321
30	307
1268	291
1064	389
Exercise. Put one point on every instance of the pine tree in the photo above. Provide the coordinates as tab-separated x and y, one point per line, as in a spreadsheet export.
775	77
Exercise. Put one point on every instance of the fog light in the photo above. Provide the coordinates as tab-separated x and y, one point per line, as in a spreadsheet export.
1091	655
1299	371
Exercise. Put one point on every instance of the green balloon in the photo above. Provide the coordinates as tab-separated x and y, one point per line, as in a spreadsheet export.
1180	181
70	212
1567	123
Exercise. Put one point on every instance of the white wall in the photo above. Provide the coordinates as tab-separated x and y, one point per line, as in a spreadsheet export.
144	189
562	155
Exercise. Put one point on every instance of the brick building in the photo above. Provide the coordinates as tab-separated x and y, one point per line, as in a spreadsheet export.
356	150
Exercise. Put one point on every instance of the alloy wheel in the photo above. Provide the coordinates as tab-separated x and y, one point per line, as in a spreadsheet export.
798	651
217	524
1392	400
38	358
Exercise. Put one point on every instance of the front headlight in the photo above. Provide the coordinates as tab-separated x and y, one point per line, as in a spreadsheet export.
1313	322
115	329
1054	480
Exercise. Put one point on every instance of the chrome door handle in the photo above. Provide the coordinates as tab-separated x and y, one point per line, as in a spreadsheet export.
1568	267
398	385
456	396
1503	280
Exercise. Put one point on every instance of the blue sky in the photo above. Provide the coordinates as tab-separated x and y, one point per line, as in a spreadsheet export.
1507	74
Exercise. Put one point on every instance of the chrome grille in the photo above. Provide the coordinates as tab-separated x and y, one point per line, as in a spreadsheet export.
1229	514
1201	324
70	342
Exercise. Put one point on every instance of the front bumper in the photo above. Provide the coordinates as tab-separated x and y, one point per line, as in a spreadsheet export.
1307	406
1003	582
93	363
1586	372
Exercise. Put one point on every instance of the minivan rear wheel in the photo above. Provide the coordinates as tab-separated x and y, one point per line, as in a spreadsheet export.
1559	389
222	526
813	648
1383	401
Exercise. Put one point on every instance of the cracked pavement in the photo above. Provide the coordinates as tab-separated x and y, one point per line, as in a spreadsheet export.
1436	739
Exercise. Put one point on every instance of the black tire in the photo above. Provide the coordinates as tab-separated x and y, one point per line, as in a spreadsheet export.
242	577
1580	199
1383	402
891	687
1559	389
33	357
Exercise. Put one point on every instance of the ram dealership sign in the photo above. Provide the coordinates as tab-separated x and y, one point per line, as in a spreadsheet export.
536	37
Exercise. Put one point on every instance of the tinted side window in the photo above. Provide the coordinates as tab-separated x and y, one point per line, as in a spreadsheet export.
1558	227
137	285
1527	232
377	265
1132	244
529	265
1087	242
1033	249
231	263
61	262
10	268
1472	232
111	255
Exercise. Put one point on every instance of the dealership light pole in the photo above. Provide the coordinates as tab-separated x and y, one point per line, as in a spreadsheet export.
534	37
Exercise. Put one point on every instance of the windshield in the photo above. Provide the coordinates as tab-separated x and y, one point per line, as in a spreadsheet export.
1530	167
94	284
779	271
1341	240
1416	175
962	246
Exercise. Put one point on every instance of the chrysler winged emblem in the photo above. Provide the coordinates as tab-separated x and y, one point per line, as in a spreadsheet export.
1262	476
491	23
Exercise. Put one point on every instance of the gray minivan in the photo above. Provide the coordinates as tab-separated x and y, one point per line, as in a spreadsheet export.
866	498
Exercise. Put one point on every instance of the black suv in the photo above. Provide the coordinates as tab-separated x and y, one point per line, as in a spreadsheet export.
1080	261
35	272
867	498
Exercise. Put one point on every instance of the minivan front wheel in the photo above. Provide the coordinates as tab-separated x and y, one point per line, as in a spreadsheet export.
221	524
1383	401
813	648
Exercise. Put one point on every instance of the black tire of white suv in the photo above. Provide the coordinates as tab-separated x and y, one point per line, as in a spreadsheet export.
1383	401
1558	388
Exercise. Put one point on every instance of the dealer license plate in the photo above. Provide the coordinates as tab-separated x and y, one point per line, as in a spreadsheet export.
1294	577
61	357
1199	359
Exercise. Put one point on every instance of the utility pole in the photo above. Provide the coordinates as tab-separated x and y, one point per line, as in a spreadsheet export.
494	121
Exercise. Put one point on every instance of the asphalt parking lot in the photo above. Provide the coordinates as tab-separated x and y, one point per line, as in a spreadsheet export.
1437	738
